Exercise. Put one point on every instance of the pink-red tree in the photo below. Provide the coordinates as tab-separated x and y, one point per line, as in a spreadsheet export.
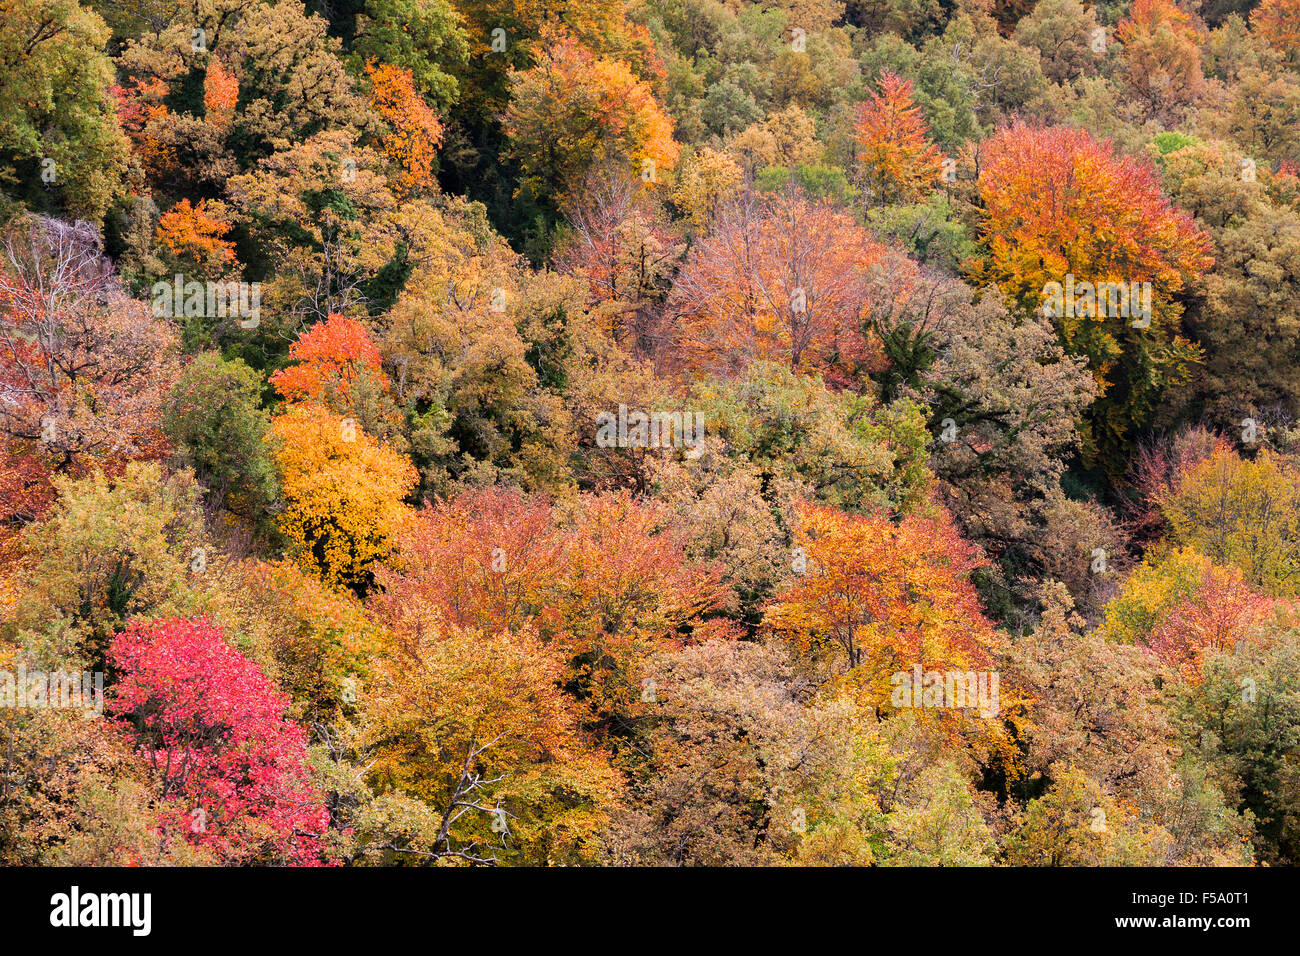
232	769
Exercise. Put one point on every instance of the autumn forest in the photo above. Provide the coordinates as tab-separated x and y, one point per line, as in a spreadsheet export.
649	433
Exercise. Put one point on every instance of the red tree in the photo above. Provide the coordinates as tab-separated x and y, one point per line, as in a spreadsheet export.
232	768
1218	614
328	358
783	278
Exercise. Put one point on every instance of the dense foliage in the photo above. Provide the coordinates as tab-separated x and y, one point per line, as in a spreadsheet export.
474	432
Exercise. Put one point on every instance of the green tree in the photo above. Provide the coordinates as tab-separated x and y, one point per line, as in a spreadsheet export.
426	37
58	126
214	419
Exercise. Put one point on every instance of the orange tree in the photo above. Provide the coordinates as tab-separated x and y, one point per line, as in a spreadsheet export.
413	131
604	579
475	726
1162	54
192	235
876	598
1060	204
873	601
899	162
335	363
328	358
575	108
1278	23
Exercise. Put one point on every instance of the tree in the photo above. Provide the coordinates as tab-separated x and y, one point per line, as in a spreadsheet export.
327	359
1242	513
459	365
1251	297
193	237
1243	720
1050	197
343	493
232	769
75	794
705	180
620	242
335	363
317	644
946	90
1185	608
742	770
878	598
59	120
1221	612
1262	118
115	548
1099	702
475	726
1003	401
414	132
940	820
290	80
573	109
1162	54
1077	824
776	279
786	139
213	418
603	580
82	367
838	448
1278	23
737	516
526	29
220	95
143	116
1062	31
323	210
899	163
426	38
484	560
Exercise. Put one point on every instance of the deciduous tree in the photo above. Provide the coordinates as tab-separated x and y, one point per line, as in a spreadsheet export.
343	493
232	769
899	163
1060	204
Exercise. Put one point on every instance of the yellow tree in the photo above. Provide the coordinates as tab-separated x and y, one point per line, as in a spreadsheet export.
1242	513
343	493
474	725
